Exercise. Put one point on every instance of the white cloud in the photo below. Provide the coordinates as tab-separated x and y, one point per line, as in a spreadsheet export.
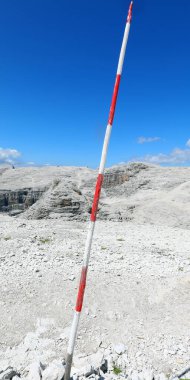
188	143
9	155
176	156
143	140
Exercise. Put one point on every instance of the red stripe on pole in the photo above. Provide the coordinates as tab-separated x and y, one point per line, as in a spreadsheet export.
114	99
81	290
129	17
96	197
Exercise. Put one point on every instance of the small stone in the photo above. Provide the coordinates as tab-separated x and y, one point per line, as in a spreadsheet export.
75	377
139	353
147	375
8	374
4	364
89	370
120	348
134	376
72	278
104	366
34	371
55	371
162	377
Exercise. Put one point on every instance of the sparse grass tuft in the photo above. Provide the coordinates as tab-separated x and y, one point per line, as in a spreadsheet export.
103	248
44	241
116	370
7	238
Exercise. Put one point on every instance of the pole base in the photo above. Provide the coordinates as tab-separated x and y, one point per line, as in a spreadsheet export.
68	367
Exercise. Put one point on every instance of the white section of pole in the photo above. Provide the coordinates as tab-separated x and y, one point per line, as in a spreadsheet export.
73	333
88	243
123	49
105	148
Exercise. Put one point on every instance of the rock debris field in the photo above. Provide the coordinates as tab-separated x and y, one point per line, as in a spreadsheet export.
135	323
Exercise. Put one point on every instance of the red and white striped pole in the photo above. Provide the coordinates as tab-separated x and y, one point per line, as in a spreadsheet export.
99	182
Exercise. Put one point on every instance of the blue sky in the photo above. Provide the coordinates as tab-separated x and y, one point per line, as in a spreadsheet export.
58	60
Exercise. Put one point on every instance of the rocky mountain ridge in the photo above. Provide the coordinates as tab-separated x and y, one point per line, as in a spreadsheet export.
133	191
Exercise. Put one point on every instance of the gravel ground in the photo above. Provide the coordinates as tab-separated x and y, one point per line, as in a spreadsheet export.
137	297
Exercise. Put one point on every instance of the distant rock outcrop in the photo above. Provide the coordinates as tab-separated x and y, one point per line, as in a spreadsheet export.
17	201
146	193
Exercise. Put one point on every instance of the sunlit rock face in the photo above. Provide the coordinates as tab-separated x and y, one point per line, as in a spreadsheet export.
137	191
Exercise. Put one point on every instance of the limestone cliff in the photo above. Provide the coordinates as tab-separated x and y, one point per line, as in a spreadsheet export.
138	191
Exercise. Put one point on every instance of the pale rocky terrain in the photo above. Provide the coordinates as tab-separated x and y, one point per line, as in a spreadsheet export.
136	318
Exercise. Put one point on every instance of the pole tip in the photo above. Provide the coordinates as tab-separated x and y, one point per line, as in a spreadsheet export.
129	17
